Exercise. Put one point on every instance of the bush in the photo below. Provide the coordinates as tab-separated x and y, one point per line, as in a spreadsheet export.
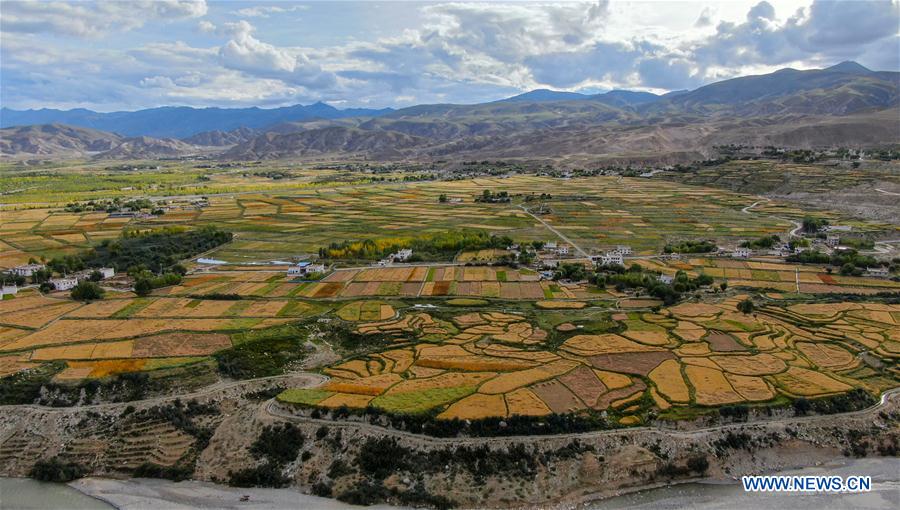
266	475
87	291
56	470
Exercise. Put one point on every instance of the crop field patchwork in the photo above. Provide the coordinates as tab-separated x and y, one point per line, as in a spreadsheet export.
498	364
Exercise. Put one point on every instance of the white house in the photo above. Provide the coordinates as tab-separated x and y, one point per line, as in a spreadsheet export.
107	272
563	249
664	278
741	253
27	270
305	268
609	258
315	268
298	269
403	254
832	241
878	272
64	283
8	290
624	249
550	245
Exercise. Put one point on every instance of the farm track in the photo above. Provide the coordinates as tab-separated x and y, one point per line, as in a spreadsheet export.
557	232
887	398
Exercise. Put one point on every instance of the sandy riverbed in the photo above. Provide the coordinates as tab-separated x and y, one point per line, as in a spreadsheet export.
147	493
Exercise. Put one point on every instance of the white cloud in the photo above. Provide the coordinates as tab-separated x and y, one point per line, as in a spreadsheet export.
93	19
265	11
248	54
452	52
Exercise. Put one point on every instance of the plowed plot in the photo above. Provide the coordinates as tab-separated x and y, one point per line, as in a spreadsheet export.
179	344
561	305
758	364
826	355
720	342
557	397
524	402
372	385
446	380
640	363
710	386
807	383
475	407
668	379
583	382
327	290
632	391
366	311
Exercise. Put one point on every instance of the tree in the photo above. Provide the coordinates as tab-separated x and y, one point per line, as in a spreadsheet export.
87	291
142	287
745	306
723	286
442	198
96	276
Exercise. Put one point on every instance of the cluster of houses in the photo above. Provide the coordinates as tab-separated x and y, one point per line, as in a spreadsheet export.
613	257
401	256
305	269
64	282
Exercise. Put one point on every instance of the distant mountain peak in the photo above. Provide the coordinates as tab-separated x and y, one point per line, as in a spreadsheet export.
542	95
849	67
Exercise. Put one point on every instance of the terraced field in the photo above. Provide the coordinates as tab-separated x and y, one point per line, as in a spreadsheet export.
484	364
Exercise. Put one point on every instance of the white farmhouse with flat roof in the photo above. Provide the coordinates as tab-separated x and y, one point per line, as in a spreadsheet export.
28	269
64	283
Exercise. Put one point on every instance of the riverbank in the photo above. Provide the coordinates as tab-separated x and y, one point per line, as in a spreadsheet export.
146	493
143	493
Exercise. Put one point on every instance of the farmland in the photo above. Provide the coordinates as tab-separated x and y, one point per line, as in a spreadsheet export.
481	364
461	337
316	208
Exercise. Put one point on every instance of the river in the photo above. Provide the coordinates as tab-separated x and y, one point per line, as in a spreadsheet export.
140	494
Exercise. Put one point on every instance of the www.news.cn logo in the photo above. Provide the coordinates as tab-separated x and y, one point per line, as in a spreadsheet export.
807	483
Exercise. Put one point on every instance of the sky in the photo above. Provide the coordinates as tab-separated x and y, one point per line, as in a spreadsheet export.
129	55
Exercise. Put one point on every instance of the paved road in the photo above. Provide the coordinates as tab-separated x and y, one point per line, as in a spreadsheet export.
270	408
557	232
887	192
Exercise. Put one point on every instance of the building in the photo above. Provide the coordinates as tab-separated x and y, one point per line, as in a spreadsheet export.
664	278
403	255
832	241
106	272
298	269
64	283
878	272
27	270
741	253
563	249
305	268
550	245
8	290
609	259
624	249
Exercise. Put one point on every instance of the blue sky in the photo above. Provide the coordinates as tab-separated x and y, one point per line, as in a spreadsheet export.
113	55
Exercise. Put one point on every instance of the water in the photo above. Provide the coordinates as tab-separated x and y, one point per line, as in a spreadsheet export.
27	494
885	494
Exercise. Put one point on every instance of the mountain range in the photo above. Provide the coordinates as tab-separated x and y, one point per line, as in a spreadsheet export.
843	104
